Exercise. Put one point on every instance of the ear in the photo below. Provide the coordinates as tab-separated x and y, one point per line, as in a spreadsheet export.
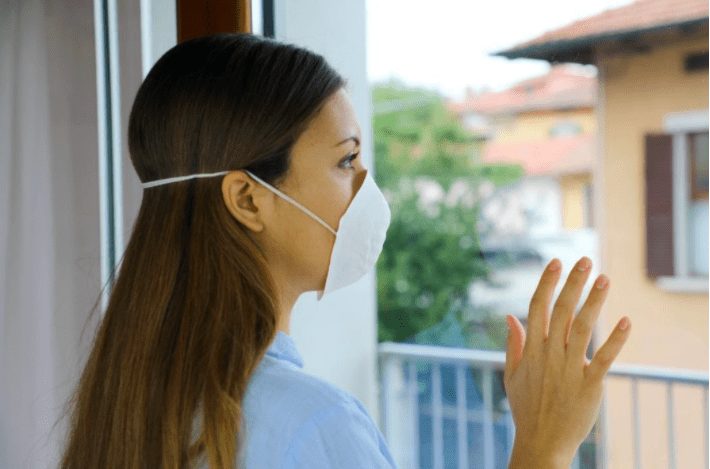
244	199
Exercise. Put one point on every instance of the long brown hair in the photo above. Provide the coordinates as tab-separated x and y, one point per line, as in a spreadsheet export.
192	309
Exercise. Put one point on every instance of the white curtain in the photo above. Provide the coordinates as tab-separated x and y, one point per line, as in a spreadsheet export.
49	219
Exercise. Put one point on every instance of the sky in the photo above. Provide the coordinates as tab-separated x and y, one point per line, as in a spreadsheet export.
447	48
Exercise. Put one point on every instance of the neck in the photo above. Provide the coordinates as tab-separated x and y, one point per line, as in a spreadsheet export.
287	298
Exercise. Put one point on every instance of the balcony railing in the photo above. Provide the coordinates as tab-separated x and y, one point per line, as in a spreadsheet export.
445	408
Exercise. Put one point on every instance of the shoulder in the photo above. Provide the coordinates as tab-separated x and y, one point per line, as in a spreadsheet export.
320	425
341	435
279	385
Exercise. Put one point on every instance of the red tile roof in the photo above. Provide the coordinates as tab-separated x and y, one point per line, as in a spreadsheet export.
638	15
551	157
561	88
641	15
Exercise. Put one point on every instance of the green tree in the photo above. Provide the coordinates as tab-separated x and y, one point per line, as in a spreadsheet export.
432	252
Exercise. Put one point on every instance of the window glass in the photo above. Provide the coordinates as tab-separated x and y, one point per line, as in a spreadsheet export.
565	128
698	145
698	206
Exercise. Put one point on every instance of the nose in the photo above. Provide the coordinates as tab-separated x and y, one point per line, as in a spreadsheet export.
358	180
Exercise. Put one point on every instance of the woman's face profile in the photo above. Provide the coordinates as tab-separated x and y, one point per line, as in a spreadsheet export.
324	177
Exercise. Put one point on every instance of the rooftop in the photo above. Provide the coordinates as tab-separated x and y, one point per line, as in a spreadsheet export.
551	157
574	42
563	87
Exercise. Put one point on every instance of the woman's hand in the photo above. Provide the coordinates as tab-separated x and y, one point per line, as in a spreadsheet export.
554	390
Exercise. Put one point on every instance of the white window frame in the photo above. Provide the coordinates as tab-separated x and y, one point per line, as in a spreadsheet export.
679	124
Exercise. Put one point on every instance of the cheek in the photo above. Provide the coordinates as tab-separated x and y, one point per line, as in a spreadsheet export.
306	244
331	205
314	241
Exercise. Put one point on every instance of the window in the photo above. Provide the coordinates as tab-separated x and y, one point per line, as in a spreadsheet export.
697	144
676	170
565	128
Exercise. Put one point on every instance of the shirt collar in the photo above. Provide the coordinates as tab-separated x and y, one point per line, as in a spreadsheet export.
283	347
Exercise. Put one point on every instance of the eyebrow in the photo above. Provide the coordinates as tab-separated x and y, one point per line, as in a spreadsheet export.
352	137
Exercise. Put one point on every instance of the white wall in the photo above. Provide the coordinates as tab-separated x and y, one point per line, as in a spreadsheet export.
337	336
49	212
147	29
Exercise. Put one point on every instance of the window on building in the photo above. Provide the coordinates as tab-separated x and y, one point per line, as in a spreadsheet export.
676	173
697	145
565	128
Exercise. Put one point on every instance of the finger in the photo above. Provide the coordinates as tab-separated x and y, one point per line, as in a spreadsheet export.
539	306
510	343
566	304
583	325
608	352
514	350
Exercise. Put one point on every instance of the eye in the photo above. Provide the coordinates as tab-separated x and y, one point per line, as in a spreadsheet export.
347	162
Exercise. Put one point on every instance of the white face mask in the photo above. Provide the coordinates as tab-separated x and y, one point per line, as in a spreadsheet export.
359	237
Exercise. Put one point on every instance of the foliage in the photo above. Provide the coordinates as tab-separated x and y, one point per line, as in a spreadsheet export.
432	252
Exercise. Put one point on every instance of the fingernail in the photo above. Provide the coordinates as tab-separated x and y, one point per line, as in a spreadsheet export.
624	323
554	265
602	281
583	264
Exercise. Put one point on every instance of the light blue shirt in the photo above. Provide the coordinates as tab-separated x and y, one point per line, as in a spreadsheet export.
294	420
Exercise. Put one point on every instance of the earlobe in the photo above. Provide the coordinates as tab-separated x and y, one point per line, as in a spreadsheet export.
238	193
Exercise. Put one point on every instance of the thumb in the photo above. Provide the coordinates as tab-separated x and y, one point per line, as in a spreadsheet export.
515	343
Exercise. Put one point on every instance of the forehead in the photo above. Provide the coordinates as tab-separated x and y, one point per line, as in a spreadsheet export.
335	122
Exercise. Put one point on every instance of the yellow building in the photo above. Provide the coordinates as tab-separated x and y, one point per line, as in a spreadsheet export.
547	125
651	204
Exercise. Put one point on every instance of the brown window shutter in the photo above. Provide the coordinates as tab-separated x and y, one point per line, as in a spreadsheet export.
659	204
196	18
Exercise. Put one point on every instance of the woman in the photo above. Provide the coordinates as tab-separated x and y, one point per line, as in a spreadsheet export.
249	153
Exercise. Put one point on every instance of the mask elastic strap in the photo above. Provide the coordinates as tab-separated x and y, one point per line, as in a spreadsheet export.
286	197
160	182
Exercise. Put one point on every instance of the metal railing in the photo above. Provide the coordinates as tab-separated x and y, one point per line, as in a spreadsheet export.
428	418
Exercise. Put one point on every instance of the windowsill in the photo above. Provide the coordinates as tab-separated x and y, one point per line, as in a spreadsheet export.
683	284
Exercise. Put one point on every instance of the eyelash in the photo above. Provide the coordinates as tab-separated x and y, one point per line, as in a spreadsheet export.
349	159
